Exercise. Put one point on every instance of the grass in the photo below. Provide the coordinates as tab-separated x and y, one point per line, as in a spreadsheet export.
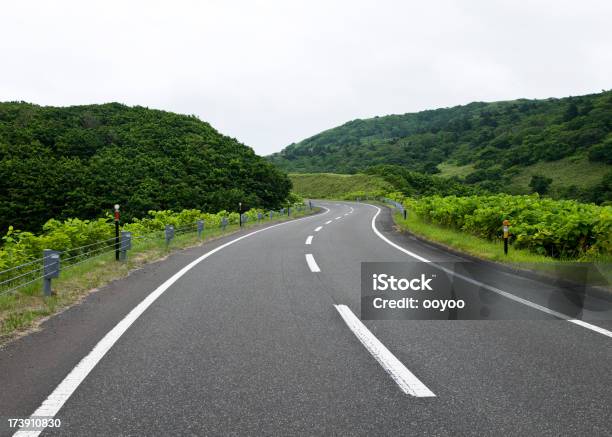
573	170
333	185
448	170
24	309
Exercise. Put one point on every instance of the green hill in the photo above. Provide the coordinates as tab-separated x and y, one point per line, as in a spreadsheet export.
336	186
79	161
492	146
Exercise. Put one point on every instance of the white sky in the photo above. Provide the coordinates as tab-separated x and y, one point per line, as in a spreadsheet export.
273	72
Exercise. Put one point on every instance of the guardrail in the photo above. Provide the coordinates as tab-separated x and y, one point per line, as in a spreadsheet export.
397	206
52	262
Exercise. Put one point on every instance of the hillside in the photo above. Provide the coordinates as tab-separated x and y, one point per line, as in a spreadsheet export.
489	145
79	161
337	186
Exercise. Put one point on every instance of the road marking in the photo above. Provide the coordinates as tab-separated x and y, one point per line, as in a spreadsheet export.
309	240
489	287
351	210
338	218
403	377
64	390
346	214
312	263
328	222
317	229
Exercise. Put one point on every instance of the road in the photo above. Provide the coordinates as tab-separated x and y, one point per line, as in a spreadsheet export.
260	337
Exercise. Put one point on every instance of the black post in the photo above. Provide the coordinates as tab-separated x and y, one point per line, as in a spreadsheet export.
117	240
240	213
116	232
506	228
404	214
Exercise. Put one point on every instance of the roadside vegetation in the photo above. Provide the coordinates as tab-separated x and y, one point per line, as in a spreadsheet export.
89	265
557	229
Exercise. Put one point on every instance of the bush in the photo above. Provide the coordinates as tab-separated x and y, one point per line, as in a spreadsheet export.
558	228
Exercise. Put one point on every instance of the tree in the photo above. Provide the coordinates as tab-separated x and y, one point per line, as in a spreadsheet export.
540	184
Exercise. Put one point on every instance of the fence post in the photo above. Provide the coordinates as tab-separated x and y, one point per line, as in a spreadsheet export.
51	269
126	244
506	228
169	231
200	224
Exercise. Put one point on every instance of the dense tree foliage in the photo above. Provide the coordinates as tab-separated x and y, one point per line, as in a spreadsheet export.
498	139
79	161
412	183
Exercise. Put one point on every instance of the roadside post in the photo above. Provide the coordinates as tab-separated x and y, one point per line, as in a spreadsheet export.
117	232
224	222
271	214
200	224
240	212
506	224
310	204
51	268
288	211
259	216
126	244
405	213
169	232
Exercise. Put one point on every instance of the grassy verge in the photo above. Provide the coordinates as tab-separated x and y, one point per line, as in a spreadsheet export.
23	310
494	250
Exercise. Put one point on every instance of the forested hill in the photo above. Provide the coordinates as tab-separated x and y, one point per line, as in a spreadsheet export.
79	161
481	143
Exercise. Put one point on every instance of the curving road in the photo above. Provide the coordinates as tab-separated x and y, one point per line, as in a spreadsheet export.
258	333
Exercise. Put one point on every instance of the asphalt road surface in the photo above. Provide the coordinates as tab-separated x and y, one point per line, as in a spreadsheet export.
262	337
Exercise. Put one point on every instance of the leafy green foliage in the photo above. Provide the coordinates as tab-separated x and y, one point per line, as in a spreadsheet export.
496	139
539	184
76	236
79	161
558	228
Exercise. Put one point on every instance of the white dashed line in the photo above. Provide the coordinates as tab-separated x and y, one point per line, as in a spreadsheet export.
317	229
54	402
312	264
338	218
403	377
346	214
351	210
328	222
309	240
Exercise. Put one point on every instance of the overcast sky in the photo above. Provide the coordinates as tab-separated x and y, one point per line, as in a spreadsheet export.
273	72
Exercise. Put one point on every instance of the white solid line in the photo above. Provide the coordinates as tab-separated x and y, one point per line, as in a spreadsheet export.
338	218
312	263
309	240
403	377
64	390
489	287
328	222
317	229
